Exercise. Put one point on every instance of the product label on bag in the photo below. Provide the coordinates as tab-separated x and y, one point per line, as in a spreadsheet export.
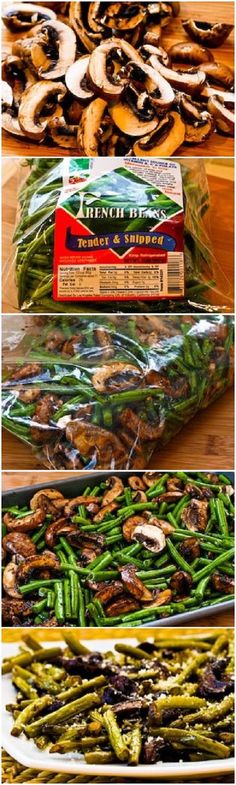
119	230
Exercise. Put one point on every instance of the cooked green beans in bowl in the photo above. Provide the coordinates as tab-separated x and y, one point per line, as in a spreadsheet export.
161	700
118	550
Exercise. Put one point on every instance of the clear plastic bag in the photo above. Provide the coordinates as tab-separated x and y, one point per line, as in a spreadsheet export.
97	392
206	284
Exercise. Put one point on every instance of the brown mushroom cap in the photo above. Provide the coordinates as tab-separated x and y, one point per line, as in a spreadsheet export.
124	16
165	139
46	560
133	584
19	17
19	544
10	580
97	67
195	515
187	52
28	523
219	74
51	493
128	121
104	447
190	83
209	34
63	134
115	489
57	529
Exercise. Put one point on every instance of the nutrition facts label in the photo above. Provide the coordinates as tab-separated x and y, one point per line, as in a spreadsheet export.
123	281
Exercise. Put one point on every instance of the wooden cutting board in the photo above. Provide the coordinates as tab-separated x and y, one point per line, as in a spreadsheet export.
221	226
217	145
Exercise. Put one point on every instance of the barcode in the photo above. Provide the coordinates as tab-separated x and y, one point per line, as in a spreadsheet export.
175	273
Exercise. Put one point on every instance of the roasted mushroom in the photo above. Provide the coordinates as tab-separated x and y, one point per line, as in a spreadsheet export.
52	494
46	560
116	376
96	443
190	549
223	583
206	33
10	580
224	117
186	52
56	529
133	584
19	545
151	537
20	17
26	524
30	111
195	516
115	488
181	584
214	682
167	137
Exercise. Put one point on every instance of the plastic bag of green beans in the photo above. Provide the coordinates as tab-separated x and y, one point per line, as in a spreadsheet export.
194	278
104	392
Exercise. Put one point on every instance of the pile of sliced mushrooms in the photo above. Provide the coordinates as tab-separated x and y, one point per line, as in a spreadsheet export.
95	78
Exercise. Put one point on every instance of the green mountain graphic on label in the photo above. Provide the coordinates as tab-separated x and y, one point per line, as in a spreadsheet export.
121	201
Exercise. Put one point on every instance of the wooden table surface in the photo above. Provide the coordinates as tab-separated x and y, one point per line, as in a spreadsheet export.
221	225
10	480
217	145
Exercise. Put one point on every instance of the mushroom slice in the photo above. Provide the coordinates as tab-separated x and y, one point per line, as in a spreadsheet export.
76	80
128	121
195	515
224	117
6	96
165	139
62	134
115	489
26	524
219	74
10	580
124	16
122	605
136	483
104	340
151	537
131	524
190	83
46	560
151	478
108	591
222	583
8	120
101	446
58	529
19	17
133	584
190	549
208	92
32	103
199	124
181	583
19	544
148	49
186	52
88	133
159	91
109	88
75	503
51	493
88	38
207	33
108	508
116	377
58	38
162	598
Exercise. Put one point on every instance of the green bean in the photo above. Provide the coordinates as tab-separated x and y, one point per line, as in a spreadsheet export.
135	746
69	710
115	737
195	740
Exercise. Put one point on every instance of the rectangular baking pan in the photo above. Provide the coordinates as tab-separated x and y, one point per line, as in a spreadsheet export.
75	486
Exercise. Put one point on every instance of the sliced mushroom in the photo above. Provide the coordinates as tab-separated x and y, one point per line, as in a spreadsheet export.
224	117
19	544
172	497
219	74
181	583
151	478
199	123
109	88
190	549
222	583
30	370
185	52
73	504
131	524
56	529
108	508
101	446
39	562
88	133
11	124
190	83
77	81
115	489
148	49
136	483
62	134
214	682
32	103
195	515
61	40
122	605
89	38
6	95
14	611
164	140
19	17
159	91
151	537
124	16
108	591
133	584
141	429
207	33
116	377
162	598
10	580
52	494
28	396
26	524
126	118
104	340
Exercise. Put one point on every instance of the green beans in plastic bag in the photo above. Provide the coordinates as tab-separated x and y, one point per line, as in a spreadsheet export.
105	392
206	284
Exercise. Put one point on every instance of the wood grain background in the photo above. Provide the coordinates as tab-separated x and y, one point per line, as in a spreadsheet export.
217	145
